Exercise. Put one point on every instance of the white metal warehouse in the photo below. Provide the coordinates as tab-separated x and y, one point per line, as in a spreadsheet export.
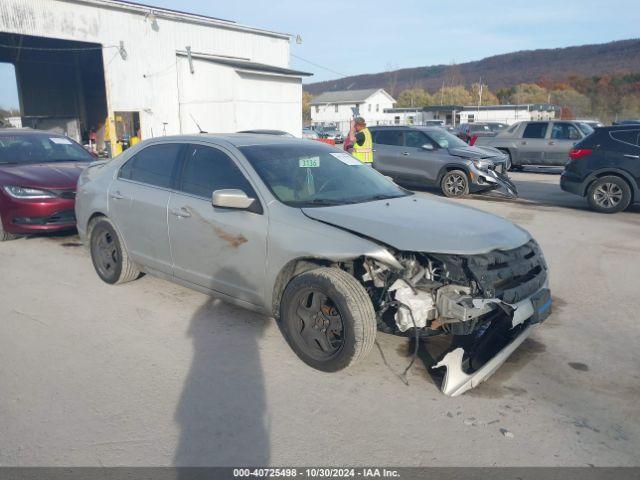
123	69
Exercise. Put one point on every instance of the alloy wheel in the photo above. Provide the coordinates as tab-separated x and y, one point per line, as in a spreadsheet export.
455	184
319	324
106	253
608	195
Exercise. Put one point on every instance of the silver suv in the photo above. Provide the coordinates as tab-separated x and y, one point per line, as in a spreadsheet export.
537	143
332	249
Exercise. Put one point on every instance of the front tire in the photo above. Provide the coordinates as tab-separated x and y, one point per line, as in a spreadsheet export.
109	256
4	236
455	184
328	319
610	194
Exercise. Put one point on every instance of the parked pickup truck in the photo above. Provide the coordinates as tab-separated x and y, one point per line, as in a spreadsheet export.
537	143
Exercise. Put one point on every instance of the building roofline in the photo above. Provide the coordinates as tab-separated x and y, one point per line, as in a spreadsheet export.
161	12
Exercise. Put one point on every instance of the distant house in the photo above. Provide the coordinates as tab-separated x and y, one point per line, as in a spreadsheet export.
335	108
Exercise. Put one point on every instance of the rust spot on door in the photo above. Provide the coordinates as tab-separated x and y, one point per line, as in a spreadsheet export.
234	240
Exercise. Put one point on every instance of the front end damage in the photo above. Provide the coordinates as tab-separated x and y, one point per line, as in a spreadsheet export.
488	305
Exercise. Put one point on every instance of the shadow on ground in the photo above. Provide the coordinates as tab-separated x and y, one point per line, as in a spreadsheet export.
221	413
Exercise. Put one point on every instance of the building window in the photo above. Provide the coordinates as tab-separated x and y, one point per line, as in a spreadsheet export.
377	107
471	118
369	107
336	108
396	120
317	109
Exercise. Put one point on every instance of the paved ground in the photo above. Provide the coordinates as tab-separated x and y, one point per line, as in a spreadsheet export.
150	373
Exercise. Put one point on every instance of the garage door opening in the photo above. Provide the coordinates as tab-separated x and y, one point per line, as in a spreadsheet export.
60	85
9	103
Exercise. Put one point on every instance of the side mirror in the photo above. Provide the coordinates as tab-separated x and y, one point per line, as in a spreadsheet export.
231	198
428	146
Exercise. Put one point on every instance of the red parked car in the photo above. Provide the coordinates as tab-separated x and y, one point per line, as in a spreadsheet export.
38	176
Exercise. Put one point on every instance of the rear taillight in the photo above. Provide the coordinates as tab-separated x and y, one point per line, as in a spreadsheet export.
576	153
473	140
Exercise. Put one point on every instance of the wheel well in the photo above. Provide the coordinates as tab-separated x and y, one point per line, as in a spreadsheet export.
95	215
612	174
505	150
449	168
288	272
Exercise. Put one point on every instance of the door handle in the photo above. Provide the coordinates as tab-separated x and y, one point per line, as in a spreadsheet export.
631	156
523	142
551	142
116	195
405	153
181	213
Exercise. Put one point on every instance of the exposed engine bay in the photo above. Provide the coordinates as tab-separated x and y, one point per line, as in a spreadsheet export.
486	302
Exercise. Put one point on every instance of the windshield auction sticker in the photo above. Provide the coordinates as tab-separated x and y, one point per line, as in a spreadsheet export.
60	141
346	158
309	162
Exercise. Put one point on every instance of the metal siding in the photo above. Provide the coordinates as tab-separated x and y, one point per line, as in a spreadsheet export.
147	80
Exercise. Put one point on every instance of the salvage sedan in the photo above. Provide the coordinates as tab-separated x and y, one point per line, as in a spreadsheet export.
332	249
38	176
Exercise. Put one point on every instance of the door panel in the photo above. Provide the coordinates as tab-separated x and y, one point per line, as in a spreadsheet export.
562	137
138	201
140	213
532	144
388	148
217	248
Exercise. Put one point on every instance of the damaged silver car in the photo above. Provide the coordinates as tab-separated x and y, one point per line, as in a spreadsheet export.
332	249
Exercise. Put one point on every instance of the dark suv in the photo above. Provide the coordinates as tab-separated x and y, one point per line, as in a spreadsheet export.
605	168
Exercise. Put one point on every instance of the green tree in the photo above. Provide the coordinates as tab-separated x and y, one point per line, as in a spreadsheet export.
414	98
529	93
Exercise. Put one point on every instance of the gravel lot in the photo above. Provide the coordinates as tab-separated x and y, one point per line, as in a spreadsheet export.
150	373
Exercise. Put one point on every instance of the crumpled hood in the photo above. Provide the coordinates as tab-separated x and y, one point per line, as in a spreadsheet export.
476	152
62	175
425	224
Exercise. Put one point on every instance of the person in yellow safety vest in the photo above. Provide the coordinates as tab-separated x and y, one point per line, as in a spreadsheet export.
360	137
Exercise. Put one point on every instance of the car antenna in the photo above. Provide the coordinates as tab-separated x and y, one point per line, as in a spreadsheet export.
194	121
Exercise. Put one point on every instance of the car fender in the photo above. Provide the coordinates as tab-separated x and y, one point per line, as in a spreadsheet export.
452	166
612	171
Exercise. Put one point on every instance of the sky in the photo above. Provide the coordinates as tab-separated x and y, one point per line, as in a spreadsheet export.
353	37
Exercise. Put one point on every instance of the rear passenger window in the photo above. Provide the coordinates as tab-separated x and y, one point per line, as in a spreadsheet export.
535	130
389	137
207	169
154	165
627	136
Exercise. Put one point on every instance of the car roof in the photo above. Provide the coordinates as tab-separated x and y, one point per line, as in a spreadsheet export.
234	139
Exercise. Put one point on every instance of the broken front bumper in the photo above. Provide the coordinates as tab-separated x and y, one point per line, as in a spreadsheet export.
526	315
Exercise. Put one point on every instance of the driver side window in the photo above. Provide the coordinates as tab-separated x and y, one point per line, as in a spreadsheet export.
414	139
564	131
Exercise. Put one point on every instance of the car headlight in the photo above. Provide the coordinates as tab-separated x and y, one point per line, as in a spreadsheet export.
27	193
481	164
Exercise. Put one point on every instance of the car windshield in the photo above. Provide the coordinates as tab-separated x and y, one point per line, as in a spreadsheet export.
446	140
40	148
585	127
318	175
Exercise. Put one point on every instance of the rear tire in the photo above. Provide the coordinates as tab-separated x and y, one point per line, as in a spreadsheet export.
328	319
454	184
509	165
610	194
108	253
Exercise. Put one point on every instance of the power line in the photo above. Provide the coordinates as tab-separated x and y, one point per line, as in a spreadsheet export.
319	66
